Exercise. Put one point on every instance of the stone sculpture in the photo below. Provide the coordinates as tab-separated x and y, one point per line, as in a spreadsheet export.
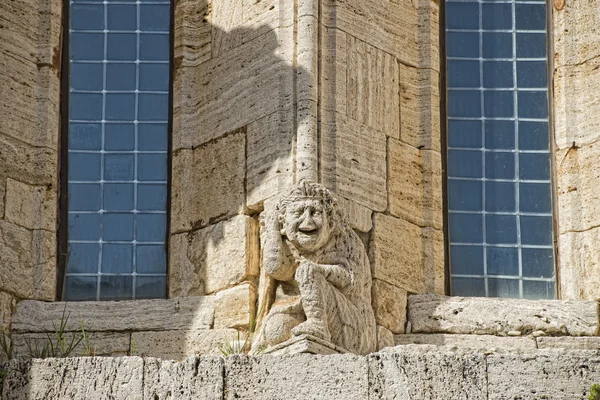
316	277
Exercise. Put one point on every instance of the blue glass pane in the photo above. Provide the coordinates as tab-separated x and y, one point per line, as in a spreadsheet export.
501	229
533	104
151	259
151	227
121	46
463	73
462	44
530	17
497	45
78	288
120	76
534	166
154	17
464	103
153	137
153	107
466	228
84	167
467	260
534	197
468	287
499	165
117	258
531	45
464	163
152	167
497	16
84	226
118	227
154	77
498	74
533	135
87	16
152	197
464	195
464	133
499	134
532	74
500	197
85	76
86	46
85	136
85	106
499	103
538	263
118	196
118	167
119	137
154	47
122	17
462	16
151	287
116	287
84	196
536	230
503	287
120	106
502	261
83	258
538	290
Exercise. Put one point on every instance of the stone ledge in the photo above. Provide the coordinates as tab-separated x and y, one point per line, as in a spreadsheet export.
432	313
469	343
189	313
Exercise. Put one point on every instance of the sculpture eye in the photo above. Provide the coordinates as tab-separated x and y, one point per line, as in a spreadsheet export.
317	213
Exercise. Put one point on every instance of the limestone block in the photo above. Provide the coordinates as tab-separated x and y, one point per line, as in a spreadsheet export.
235	307
192	379
269	161
575	33
353	162
302	376
80	378
7	305
568	343
547	374
101	343
420	108
415	184
214	258
396	253
433	260
373	89
579	264
226	15
32	207
470	343
432	313
412	372
135	315
208	182
33	165
27	261
334	48
389	304
359	216
192	39
177	345
385	338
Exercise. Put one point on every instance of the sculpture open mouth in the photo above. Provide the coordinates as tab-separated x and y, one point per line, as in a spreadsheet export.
308	231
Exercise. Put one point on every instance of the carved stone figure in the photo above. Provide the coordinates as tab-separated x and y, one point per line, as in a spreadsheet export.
316	277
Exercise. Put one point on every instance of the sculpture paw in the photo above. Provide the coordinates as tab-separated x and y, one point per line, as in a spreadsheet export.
313	328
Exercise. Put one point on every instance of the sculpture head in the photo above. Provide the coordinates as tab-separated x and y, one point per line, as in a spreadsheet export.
307	216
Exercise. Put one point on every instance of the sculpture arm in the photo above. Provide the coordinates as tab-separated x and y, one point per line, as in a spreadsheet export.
336	274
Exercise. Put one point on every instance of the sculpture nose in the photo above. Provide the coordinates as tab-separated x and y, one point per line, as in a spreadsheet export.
307	221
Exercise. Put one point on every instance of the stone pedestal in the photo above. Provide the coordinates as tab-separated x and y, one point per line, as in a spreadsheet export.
304	344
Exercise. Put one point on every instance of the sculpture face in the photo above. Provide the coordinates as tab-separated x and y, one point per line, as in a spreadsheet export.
306	225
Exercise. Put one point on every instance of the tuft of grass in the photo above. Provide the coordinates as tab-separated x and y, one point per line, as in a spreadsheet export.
594	392
3	374
6	345
239	346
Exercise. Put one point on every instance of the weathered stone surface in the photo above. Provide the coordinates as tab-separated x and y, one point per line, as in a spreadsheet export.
385	338
433	260
576	33
192	37
415	184
334	48
471	315
300	377
359	217
354	162
100	344
547	374
389	303
27	261
75	378
373	89
192	379
214	258
579	264
235	307
301	345
415	372
7	304
200	195
33	165
569	343
469	343
32	207
177	345
137	315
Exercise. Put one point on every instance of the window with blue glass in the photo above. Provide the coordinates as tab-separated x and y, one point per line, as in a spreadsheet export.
118	140
498	161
